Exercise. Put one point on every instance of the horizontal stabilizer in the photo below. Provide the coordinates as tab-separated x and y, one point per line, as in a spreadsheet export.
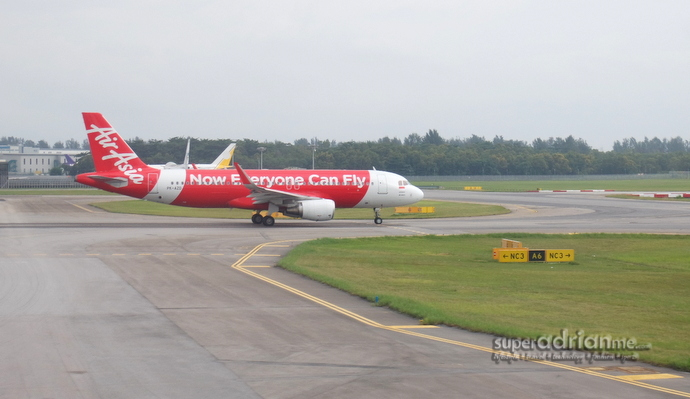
117	182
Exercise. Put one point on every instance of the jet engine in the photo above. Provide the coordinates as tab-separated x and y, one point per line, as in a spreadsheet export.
321	209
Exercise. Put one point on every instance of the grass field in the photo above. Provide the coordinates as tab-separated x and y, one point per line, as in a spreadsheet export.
443	209
525	185
632	286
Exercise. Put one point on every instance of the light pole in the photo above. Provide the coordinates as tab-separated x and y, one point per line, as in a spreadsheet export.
261	156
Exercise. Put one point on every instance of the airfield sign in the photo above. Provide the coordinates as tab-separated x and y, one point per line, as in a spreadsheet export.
534	255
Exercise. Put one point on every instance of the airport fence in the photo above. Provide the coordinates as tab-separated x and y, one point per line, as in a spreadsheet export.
44	182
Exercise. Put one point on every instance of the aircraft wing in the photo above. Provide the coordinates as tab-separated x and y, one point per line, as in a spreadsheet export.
262	195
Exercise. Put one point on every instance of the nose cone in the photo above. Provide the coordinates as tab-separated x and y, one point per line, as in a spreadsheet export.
416	193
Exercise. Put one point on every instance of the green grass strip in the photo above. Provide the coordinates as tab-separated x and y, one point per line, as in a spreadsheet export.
527	185
626	286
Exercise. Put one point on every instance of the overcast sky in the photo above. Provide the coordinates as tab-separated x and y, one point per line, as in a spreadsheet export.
349	70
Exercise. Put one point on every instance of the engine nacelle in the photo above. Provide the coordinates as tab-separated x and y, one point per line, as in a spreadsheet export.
322	209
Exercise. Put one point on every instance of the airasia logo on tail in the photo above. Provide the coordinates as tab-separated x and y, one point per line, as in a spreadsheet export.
105	140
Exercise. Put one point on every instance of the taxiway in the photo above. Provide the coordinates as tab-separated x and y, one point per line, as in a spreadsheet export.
94	304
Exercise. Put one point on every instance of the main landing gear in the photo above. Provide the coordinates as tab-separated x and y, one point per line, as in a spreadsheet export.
377	216
268	220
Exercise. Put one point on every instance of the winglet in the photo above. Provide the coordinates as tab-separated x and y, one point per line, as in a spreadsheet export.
185	163
243	176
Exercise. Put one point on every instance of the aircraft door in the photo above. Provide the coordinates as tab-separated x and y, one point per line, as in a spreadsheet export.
153	179
383	186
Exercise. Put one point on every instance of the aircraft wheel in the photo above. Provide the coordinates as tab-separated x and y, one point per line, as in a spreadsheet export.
378	220
269	221
257	218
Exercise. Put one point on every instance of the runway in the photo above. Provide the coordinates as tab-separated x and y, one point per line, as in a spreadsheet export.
94	304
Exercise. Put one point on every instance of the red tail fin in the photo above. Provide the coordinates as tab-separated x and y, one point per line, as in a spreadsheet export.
110	152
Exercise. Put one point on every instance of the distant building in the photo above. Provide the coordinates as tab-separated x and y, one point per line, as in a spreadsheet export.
35	161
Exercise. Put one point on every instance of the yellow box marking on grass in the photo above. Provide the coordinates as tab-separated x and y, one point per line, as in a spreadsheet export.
415	209
640	377
239	266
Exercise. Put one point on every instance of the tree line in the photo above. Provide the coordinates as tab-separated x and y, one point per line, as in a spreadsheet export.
70	144
430	155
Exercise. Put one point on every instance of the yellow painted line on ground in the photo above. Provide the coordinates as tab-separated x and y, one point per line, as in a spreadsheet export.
217	254
649	377
525	208
144	254
169	254
83	208
239	266
417	326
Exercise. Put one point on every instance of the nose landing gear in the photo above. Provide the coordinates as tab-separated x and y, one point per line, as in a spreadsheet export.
377	216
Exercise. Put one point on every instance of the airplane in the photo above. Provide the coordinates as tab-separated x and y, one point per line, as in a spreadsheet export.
307	194
222	161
